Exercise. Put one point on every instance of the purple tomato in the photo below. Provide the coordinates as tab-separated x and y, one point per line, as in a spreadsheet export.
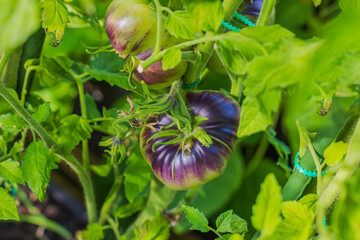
184	165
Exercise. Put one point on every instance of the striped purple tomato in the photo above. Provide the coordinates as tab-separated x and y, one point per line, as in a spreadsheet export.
188	162
131	26
154	76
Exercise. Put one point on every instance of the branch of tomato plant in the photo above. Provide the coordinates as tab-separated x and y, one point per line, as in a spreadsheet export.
115	227
85	144
35	217
305	136
265	13
158	27
51	144
50	225
206	39
350	164
106	207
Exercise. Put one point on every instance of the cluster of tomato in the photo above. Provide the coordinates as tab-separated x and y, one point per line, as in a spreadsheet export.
205	151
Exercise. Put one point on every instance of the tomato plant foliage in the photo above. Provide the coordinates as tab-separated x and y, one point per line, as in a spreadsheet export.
234	118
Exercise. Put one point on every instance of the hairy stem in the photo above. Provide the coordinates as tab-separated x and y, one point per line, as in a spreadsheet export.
106	207
24	88
158	27
85	144
86	183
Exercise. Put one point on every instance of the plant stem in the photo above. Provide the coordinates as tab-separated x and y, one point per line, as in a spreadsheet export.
21	195
47	223
265	13
24	88
259	155
158	27
4	61
206	50
189	56
50	143
351	161
154	58
106	207
85	144
5	157
86	183
115	228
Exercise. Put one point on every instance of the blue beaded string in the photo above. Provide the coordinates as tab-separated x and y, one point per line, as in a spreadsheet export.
229	26
240	17
304	171
244	19
192	85
309	174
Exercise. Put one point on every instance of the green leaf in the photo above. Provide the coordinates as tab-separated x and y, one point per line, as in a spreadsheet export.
295	215
196	218
54	19
137	175
73	129
267	34
253	118
171	58
54	70
266	211
42	113
91	107
108	67
11	171
93	231
8	209
18	20
232	223
236	49
101	170
11	123
37	167
130	208
155	229
317	3
207	14
180	24
310	201
335	152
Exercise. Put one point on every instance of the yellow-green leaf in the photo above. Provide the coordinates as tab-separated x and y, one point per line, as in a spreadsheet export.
335	152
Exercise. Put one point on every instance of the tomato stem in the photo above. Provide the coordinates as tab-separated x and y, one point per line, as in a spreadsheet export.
158	27
106	207
265	13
